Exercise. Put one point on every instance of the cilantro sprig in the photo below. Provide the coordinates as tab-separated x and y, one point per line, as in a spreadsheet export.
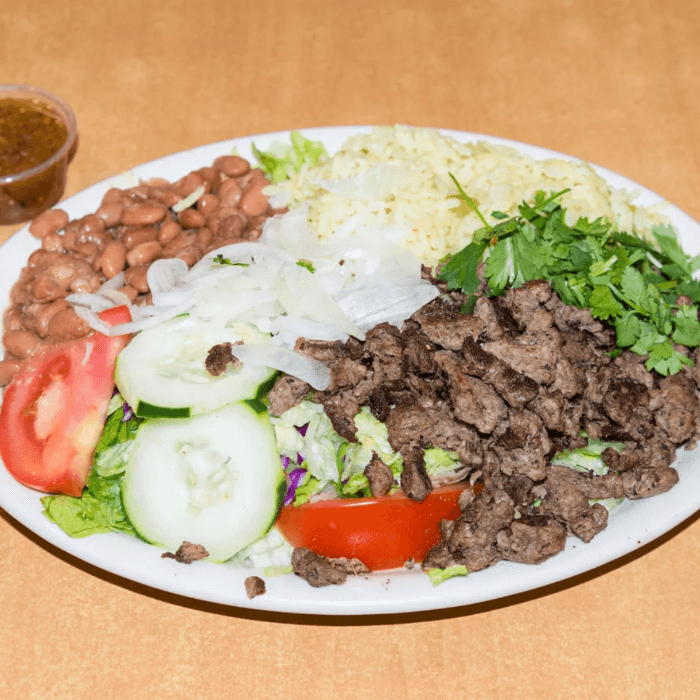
627	281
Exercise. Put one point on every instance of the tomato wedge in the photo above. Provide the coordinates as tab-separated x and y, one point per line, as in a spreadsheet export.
54	410
383	533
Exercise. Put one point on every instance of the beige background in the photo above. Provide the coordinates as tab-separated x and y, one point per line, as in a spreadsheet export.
612	81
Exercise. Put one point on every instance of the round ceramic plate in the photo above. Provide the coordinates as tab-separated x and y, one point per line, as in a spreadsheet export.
631	525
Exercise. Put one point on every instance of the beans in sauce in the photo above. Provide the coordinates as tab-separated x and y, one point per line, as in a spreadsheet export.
129	230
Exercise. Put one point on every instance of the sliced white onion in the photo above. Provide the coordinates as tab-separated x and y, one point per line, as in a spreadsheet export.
371	306
285	360
115	283
92	319
163	275
187	202
114	295
94	302
163	314
172	297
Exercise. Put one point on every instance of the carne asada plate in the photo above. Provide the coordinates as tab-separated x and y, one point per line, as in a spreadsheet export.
631	525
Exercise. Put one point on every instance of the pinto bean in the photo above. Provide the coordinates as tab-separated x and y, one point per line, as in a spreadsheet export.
232	166
227	222
67	325
189	255
115	195
113	259
178	243
12	319
143	214
88	251
70	238
253	201
144	253
166	197
91	228
85	283
191	218
188	184
168	231
211	176
29	314
136	277
130	292
136	236
229	193
204	237
221	242
46	314
52	241
50	221
110	213
8	369
43	289
21	343
208	204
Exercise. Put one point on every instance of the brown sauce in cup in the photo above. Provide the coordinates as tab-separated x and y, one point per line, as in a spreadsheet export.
30	133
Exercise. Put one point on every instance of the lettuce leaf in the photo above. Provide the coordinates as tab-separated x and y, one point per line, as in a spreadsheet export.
281	160
437	576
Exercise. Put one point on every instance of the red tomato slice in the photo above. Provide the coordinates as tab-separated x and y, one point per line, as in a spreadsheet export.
54	410
383	533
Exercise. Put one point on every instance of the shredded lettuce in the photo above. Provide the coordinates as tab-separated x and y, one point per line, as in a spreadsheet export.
609	503
439	461
437	576
372	438
281	159
271	551
587	459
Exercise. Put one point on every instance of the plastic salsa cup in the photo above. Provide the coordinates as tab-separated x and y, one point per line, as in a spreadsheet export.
38	138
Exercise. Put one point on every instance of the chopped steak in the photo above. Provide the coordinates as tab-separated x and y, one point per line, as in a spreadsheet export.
517	389
643	483
219	358
532	354
287	392
566	503
531	541
444	324
187	553
341	409
351	567
315	569
415	481
471	540
346	372
473	401
676	407
254	586
379	476
506	388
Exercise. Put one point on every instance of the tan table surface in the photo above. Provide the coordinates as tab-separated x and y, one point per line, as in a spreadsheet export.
615	82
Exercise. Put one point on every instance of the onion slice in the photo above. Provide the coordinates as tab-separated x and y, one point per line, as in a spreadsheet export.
307	369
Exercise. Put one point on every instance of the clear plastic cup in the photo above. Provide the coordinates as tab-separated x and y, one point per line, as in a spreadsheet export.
25	194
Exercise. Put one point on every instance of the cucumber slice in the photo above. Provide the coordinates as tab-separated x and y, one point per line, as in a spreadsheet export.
215	479
161	372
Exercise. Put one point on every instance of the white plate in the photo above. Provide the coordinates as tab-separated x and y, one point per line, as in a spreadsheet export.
631	526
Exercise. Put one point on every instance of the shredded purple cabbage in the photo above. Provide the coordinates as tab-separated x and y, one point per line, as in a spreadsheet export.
128	413
302	429
285	462
296	476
